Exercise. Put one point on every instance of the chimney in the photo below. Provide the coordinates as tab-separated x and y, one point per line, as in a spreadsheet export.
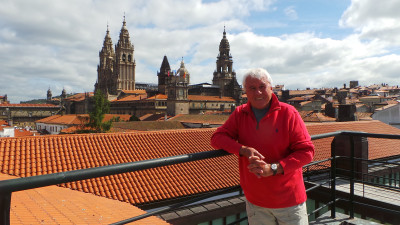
347	112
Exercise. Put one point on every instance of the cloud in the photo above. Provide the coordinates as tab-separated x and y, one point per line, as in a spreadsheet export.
374	20
55	44
291	13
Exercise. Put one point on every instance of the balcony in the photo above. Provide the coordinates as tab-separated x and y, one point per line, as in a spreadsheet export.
347	181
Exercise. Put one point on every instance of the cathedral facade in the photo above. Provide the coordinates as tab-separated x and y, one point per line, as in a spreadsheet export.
116	69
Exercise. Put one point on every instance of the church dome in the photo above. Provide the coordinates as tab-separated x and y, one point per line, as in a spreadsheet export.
182	71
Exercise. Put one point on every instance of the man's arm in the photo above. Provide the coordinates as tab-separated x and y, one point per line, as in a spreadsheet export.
226	136
301	146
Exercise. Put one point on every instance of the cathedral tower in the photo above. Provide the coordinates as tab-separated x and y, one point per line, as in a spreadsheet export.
124	65
163	76
105	68
177	88
224	76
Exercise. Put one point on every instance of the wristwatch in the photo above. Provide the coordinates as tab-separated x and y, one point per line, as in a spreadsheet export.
274	168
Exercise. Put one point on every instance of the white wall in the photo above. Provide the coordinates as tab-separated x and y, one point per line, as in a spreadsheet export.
389	116
7	132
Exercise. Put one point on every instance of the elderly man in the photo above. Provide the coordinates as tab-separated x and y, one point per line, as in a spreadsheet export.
273	144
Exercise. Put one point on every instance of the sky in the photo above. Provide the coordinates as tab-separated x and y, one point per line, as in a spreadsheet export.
55	44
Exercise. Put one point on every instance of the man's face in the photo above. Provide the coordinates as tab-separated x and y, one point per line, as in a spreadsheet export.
259	92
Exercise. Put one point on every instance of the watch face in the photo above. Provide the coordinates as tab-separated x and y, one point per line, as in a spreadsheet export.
274	166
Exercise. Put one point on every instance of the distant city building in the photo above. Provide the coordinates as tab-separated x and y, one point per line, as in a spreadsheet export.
116	70
23	115
3	99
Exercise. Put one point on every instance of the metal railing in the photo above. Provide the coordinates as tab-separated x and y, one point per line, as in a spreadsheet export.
7	187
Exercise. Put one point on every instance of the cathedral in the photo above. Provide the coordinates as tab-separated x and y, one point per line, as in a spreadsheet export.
173	95
116	70
224	83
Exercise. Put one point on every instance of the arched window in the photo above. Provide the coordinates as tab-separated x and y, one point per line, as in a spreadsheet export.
129	58
123	57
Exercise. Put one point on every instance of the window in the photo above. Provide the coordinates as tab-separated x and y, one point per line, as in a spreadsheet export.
123	57
129	58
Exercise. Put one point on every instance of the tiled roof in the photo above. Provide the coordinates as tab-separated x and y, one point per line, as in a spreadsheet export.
297	99
30	105
378	148
131	98
158	96
24	132
31	156
56	205
137	91
148	125
301	92
79	96
153	117
79	119
210	98
3	122
310	116
200	118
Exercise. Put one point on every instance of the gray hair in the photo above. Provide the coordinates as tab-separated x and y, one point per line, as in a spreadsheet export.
258	73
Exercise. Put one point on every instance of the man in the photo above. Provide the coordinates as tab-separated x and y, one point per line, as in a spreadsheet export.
273	144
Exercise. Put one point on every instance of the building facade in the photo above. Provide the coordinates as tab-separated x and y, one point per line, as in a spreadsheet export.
224	76
116	69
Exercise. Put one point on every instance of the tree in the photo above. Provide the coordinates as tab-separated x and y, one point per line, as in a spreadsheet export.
96	116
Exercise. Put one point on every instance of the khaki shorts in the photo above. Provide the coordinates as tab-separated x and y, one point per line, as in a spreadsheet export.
295	215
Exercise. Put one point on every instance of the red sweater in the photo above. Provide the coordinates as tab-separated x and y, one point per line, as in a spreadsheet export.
281	137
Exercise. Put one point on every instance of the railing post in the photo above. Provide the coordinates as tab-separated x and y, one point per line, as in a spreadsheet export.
352	176
333	178
5	202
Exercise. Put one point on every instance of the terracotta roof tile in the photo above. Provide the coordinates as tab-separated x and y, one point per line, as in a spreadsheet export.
137	91
49	205
147	125
200	118
79	96
376	148
79	119
27	156
24	132
210	98
158	96
131	98
310	116
58	153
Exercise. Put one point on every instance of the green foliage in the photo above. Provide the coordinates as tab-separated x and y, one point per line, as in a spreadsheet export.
134	118
96	116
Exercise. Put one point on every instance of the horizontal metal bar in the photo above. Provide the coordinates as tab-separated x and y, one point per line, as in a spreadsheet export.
325	135
372	135
325	205
238	221
317	185
318	162
393	211
175	206
26	183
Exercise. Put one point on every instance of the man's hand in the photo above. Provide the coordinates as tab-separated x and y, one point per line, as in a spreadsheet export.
249	152
259	167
